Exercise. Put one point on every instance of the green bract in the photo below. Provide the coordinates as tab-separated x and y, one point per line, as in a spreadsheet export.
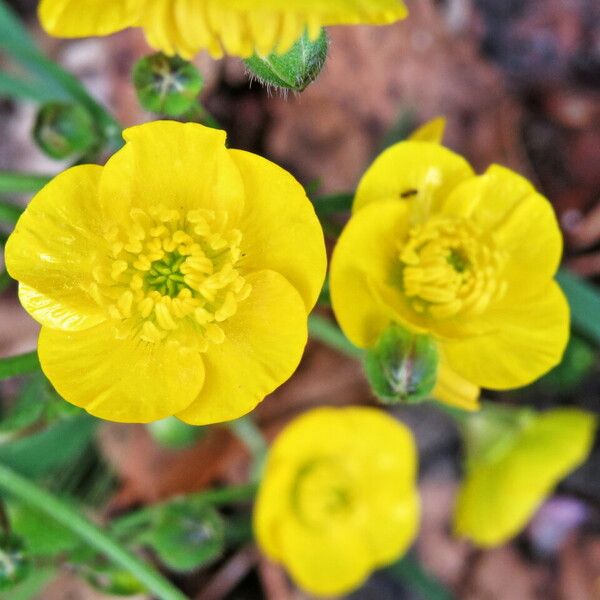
402	366
296	69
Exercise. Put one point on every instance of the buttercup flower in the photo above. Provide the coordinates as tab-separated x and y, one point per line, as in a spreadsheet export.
338	497
514	461
467	259
239	27
176	280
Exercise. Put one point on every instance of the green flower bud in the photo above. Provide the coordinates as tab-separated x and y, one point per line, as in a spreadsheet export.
402	366
175	434
167	85
14	564
63	130
296	69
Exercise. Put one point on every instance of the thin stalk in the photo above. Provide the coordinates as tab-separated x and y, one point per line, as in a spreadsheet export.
414	577
62	513
329	333
21	183
250	435
22	364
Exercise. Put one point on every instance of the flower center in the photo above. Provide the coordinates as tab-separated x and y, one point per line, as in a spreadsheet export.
173	275
448	267
322	493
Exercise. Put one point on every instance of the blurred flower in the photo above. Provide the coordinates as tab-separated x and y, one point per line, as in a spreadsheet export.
176	280
238	27
338	497
466	259
515	458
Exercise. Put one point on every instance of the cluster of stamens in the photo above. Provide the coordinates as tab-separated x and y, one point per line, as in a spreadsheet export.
447	268
172	274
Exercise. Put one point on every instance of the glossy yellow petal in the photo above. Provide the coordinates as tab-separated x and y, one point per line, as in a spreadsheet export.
53	248
366	253
432	131
413	171
242	27
119	378
263	345
454	390
529	339
281	231
500	495
506	205
80	18
325	565
183	166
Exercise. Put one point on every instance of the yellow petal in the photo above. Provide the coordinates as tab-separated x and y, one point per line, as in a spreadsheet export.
79	18
499	496
120	379
281	230
53	248
183	166
432	131
362	268
507	206
326	564
242	27
529	338
454	390
413	171
263	345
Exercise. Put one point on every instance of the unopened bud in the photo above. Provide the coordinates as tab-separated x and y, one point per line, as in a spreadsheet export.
167	85
402	367
64	130
295	70
175	434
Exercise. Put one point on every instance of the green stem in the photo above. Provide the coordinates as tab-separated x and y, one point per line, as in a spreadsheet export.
62	513
19	365
20	183
250	435
329	333
336	203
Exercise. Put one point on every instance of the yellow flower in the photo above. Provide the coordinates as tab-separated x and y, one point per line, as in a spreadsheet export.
338	497
176	280
467	259
507	481
238	27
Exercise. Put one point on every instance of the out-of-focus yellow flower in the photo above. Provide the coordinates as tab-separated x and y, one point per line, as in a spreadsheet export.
338	497
520	461
238	27
467	259
176	280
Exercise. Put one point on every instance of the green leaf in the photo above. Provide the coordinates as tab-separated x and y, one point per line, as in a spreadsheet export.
43	536
186	535
325	206
19	365
584	299
9	213
50	449
14	87
28	409
15	564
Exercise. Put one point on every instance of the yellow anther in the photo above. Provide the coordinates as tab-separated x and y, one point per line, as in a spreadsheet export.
118	268
142	263
227	309
151	333
164	318
125	302
146	306
215	334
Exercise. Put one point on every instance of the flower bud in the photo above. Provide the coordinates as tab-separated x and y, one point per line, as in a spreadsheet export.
14	564
63	130
174	434
113	580
167	85
402	366
295	70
